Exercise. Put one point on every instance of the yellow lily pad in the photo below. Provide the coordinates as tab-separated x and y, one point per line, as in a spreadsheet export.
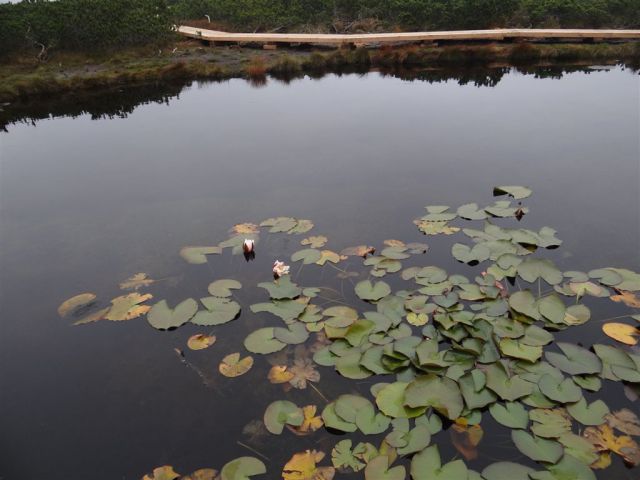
127	307
621	332
75	302
200	341
232	366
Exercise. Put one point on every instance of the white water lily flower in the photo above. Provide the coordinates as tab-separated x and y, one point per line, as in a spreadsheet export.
280	269
248	245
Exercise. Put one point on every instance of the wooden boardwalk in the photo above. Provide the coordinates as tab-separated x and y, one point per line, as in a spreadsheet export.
408	37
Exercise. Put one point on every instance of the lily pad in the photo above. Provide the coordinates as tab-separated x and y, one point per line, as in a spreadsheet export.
218	311
427	465
507	471
200	341
242	468
589	414
281	413
75	303
511	414
532	269
565	391
372	291
538	449
263	341
222	288
128	307
198	255
164	318
283	288
378	469
516	191
622	332
233	366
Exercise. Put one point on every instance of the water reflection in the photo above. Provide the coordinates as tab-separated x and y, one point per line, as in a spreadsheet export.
121	102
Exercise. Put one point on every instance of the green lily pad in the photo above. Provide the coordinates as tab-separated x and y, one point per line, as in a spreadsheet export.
198	255
511	414
342	457
282	288
218	311
332	420
552	308
440	393
508	388
416	439
579	448
285	309
589	414
427	465
163	318
525	303
242	468
575	361
569	468
538	449
565	391
577	315
281	413
470	211
507	471
307	255
378	469
391	401
516	191
550	423
263	341
372	291
517	349
463	253
222	288
295	334
532	269
369	422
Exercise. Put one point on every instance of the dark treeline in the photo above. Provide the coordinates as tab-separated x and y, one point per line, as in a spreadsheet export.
102	24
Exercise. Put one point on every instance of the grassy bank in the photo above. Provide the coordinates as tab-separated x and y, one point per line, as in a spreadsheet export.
25	78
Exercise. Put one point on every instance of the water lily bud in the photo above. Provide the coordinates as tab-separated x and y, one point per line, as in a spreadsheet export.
248	245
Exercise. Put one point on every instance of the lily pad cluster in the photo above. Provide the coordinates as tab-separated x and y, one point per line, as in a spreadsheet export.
241	468
442	352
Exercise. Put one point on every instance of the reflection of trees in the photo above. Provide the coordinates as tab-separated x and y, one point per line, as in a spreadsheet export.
121	102
110	103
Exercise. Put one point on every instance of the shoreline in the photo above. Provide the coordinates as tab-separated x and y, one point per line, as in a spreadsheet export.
24	79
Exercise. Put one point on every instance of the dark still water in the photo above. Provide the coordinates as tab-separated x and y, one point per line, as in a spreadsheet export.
87	202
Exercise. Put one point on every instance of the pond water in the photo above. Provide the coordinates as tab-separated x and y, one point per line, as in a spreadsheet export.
87	200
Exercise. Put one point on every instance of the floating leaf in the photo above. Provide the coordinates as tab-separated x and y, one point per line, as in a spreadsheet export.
507	471
507	387
139	280
201	474
575	361
310	423
279	224
303	226
127	307
538	449
343	458
165	472
222	288
75	303
328	256
279	374
603	439
316	241
435	228
470	211
233	366
532	269
440	393
624	420
358	251
263	341
622	332
92	317
511	414
281	413
242	468
378	469
372	291
303	371
516	191
245	228
391	401
200	341
218	311
463	253
307	255
589	414
628	298
565	391
568	468
198	255
525	303
303	466
577	315
517	349
162	317
283	288
550	423
427	465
